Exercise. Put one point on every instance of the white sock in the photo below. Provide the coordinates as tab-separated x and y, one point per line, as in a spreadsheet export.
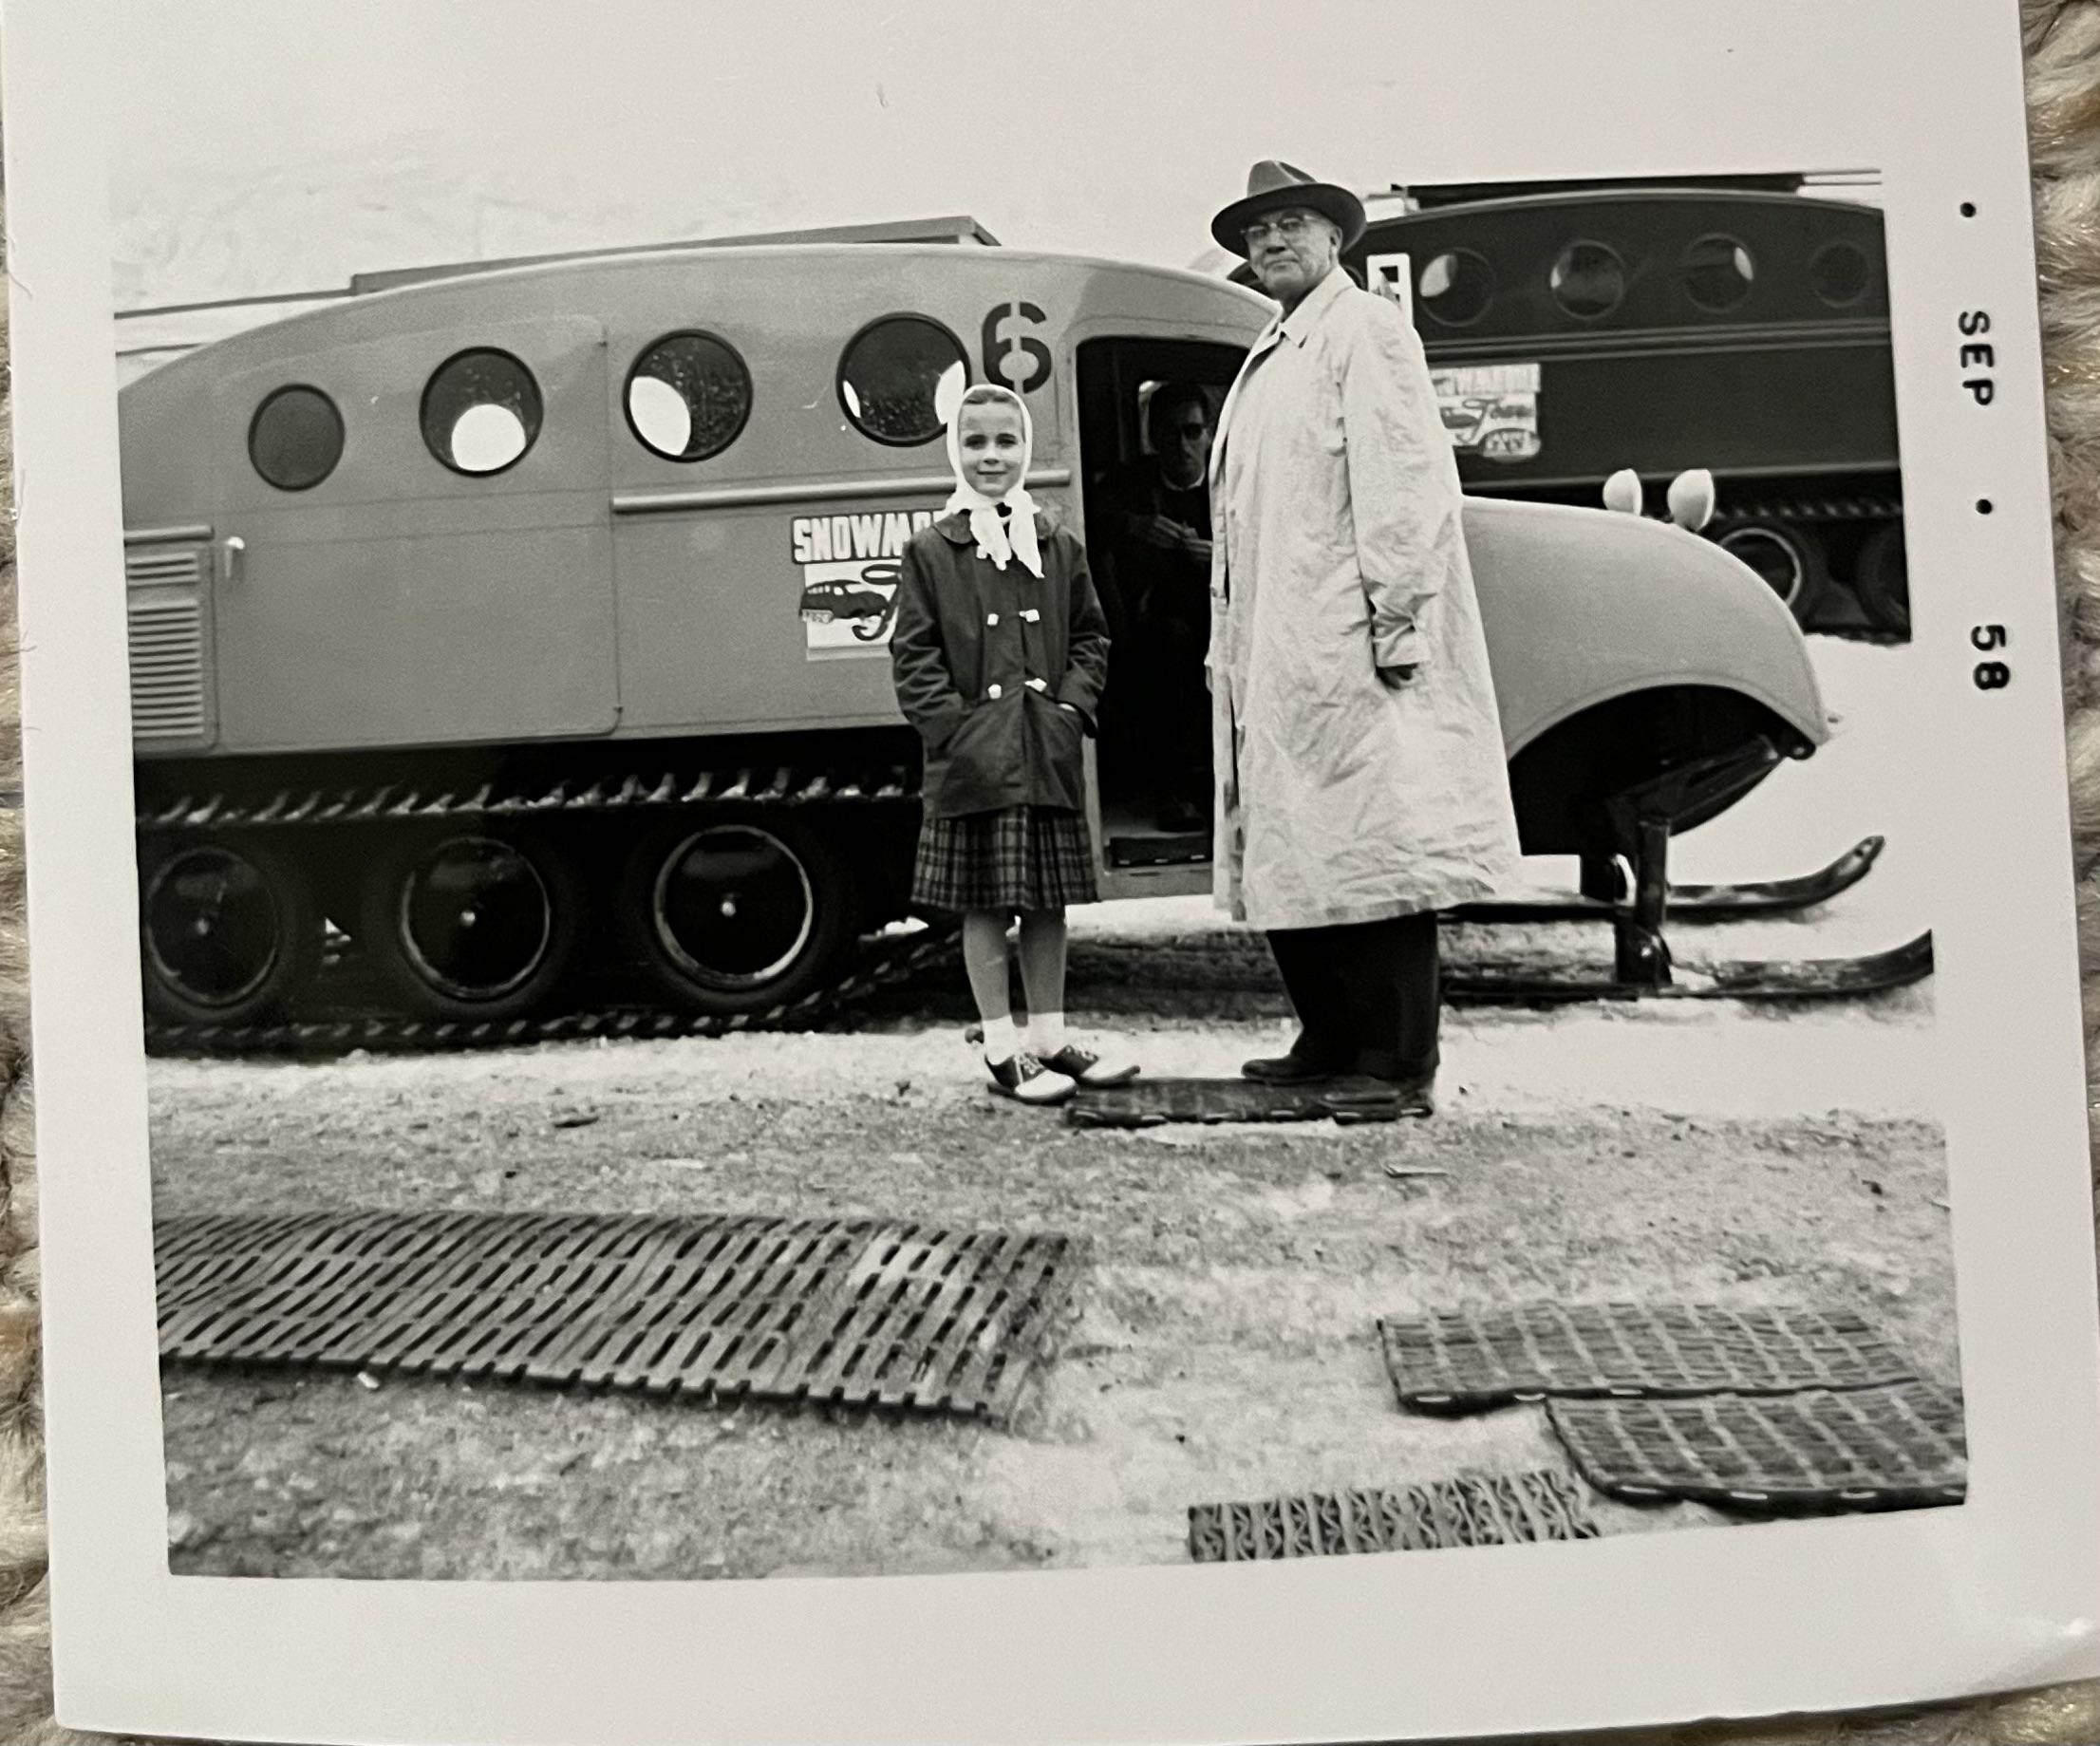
1002	1041
1045	1032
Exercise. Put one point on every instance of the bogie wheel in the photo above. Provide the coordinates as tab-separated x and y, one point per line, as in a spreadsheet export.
739	914
1788	556
1883	579
477	922
228	931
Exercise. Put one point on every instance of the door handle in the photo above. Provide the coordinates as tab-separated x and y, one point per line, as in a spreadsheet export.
232	553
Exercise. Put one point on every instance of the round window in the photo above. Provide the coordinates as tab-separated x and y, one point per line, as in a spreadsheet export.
1838	272
1455	286
901	377
481	412
296	438
1717	272
1588	280
688	396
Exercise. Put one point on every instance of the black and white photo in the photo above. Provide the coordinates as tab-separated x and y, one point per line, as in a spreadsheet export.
884	830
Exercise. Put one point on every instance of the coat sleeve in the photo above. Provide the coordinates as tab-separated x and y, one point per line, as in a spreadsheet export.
1086	645
918	663
1403	480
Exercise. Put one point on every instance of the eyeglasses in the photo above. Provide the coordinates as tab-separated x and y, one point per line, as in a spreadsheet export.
1197	429
1290	227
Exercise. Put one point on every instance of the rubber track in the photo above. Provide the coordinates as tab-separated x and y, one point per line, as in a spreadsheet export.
888	962
1812	508
755	785
1787	507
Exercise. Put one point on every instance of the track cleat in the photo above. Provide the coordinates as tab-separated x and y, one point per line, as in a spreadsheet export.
1084	1067
1025	1079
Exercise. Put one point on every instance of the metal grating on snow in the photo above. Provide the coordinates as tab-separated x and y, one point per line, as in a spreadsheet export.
1852	1449
1474	1509
860	1311
1459	1361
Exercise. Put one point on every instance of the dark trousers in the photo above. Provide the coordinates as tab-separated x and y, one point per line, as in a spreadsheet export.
1175	696
1368	994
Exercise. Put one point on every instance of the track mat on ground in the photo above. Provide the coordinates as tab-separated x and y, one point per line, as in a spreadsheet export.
1146	1103
1851	1449
1456	1361
862	1312
1474	1509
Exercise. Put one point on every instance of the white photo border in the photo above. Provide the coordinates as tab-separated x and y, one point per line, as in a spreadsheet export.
1840	1613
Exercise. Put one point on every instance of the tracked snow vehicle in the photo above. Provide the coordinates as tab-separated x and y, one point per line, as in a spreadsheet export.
519	638
1738	324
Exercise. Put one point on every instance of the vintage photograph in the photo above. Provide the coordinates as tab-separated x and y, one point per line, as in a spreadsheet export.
911	855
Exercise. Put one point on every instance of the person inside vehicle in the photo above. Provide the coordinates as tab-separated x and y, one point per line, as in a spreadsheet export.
1162	529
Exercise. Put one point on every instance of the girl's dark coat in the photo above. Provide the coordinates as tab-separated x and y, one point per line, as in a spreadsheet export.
965	626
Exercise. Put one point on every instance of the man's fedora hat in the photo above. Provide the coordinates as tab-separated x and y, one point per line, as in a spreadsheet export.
1272	186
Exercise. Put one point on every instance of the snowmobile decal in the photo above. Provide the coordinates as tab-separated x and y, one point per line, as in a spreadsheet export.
848	607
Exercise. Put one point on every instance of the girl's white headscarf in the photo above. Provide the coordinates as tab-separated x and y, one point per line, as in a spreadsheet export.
998	540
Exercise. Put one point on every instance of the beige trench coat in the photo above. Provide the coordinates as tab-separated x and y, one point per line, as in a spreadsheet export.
1337	550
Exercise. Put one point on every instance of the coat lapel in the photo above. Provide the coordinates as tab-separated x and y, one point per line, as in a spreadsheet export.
1261	347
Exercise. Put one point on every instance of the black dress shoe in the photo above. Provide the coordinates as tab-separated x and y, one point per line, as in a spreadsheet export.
1291	1069
1365	1091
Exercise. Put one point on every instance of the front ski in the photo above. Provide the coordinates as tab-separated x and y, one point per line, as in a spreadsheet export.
1695	902
1776	979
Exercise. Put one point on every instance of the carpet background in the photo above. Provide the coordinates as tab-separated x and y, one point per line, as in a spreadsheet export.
2063	88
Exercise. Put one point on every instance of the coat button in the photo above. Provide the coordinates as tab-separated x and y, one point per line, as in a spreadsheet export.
991	618
991	690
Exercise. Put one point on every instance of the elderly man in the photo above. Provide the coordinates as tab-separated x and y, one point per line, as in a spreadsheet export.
1361	779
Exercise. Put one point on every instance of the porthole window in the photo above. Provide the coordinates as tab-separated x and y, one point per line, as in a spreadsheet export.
481	412
1588	280
296	438
688	396
1717	272
1838	274
1456	287
900	377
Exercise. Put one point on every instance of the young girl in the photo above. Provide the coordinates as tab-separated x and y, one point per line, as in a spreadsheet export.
998	654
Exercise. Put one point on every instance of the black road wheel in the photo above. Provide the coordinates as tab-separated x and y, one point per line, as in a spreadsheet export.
1883	579
736	915
474	923
1789	558
228	931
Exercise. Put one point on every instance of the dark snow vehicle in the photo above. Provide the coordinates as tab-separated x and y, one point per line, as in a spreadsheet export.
1576	329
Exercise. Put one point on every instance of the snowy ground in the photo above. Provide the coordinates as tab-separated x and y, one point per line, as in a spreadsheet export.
1224	1347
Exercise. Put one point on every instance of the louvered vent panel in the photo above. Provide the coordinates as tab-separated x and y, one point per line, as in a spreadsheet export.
149	565
167	668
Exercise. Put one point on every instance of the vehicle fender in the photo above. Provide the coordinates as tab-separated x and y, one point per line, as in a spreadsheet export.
1580	606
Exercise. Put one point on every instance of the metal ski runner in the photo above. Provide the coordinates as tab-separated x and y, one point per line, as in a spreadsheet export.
1698	902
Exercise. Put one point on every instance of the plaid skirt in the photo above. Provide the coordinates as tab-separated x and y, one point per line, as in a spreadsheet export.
1023	858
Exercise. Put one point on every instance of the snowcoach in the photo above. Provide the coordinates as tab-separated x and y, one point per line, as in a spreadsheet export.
518	639
1736	324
